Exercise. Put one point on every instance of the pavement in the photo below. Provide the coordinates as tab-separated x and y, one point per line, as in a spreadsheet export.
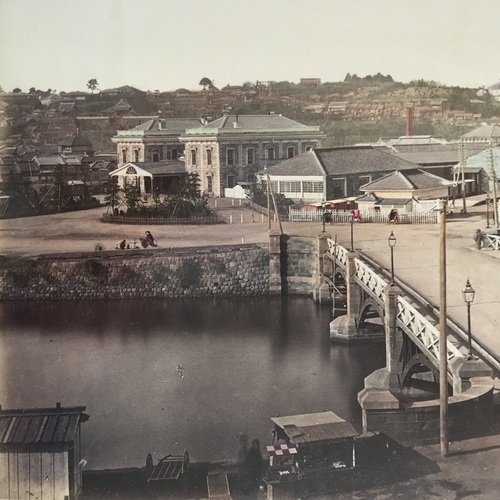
472	469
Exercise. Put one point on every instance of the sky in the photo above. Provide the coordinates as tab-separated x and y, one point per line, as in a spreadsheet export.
169	44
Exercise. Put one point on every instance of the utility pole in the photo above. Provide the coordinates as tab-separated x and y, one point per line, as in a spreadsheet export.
443	350
268	188
494	180
462	170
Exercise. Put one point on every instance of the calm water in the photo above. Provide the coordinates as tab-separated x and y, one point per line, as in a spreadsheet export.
244	360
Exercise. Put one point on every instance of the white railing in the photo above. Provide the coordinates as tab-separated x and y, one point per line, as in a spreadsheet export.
491	241
380	217
338	251
420	329
424	333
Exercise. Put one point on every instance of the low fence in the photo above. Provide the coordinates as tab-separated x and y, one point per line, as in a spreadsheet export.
376	216
124	219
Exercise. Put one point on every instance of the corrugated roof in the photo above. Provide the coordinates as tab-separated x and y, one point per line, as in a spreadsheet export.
313	427
39	426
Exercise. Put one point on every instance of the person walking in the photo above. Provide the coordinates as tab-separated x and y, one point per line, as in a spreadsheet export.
478	238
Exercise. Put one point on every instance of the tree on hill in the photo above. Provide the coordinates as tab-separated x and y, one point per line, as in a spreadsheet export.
206	82
92	84
17	90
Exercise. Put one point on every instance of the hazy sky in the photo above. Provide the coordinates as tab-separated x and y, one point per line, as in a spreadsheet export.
167	44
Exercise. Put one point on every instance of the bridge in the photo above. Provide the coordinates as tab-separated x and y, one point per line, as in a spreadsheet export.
379	309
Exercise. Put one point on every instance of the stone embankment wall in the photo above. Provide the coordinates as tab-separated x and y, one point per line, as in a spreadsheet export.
209	271
299	264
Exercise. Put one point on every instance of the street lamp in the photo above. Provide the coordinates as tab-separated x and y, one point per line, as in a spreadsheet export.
468	293
352	232
392	244
323	215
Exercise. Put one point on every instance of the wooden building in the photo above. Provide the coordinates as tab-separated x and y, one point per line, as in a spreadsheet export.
40	453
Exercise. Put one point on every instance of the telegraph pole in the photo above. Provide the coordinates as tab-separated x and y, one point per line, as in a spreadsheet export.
462	170
443	350
494	181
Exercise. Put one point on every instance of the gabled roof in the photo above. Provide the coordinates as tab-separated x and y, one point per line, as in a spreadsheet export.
407	180
74	141
167	124
358	160
304	164
122	105
484	132
157	168
448	154
67	106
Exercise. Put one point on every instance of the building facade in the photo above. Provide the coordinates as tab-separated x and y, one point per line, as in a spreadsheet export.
153	141
234	148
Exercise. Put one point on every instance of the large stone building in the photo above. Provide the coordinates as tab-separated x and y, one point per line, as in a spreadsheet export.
153	141
234	148
223	152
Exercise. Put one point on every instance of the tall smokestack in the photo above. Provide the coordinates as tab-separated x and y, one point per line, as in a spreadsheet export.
409	119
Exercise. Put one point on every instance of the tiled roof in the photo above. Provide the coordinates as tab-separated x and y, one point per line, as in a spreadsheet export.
407	180
74	141
438	155
484	132
169	124
359	159
304	164
40	426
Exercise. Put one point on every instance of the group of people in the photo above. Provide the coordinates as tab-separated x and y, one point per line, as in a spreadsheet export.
146	241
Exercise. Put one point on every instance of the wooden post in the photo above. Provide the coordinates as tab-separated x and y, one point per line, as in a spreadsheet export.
443	351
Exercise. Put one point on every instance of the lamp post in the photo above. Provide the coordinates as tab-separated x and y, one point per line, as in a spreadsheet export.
352	232
488	210
323	215
392	244
468	293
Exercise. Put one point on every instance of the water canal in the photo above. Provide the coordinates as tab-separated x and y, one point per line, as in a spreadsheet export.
243	361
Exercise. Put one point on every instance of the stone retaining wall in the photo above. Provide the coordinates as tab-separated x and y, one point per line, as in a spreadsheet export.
299	264
228	270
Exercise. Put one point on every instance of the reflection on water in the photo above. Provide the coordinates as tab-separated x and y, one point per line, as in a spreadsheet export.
243	361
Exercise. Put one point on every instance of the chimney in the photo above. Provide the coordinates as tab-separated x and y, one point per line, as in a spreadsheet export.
409	120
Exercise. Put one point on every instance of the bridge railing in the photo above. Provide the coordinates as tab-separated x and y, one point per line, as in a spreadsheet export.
491	241
420	329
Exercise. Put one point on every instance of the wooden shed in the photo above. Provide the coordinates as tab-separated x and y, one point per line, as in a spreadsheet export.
40	452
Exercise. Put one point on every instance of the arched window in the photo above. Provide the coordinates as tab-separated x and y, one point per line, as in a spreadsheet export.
131	171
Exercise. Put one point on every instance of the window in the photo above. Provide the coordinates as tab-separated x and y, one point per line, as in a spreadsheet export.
250	156
124	156
136	155
209	183
290	152
175	154
230	156
361	181
131	171
209	157
338	186
230	181
156	155
274	186
312	187
193	157
271	153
